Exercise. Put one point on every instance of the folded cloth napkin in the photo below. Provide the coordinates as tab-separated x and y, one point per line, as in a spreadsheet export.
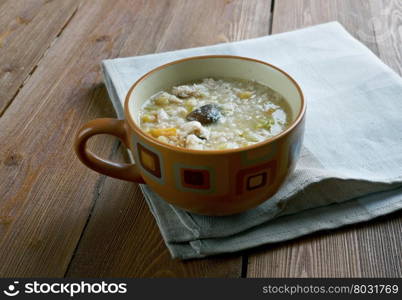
350	169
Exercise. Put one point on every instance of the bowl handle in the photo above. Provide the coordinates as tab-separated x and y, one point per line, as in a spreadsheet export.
115	127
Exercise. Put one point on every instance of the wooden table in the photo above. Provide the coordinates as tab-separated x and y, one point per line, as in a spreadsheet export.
58	218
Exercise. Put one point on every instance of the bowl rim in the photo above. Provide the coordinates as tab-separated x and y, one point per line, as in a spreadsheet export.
152	140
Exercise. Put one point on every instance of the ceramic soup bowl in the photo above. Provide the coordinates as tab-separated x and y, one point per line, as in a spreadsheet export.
211	182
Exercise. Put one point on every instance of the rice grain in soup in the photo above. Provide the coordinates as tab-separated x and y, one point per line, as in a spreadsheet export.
215	114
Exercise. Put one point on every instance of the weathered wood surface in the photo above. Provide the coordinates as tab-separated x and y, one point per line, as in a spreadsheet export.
27	29
46	194
58	218
372	249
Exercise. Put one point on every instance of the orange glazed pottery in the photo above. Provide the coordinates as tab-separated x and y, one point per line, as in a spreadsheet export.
210	182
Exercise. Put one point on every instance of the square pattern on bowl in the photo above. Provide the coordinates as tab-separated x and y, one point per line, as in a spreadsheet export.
149	161
250	179
195	179
256	181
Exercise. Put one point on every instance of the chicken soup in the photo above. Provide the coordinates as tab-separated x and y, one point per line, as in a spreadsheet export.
215	114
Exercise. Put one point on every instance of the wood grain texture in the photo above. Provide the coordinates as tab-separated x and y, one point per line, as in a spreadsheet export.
46	194
363	250
371	249
387	26
27	29
354	15
121	238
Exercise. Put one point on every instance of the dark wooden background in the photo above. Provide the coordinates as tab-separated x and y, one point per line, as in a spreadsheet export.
58	218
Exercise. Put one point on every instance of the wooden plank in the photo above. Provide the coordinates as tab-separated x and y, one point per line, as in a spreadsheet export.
380	245
387	20
27	28
371	249
122	238
353	15
325	254
46	194
364	250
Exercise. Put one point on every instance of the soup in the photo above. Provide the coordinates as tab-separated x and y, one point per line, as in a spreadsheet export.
215	114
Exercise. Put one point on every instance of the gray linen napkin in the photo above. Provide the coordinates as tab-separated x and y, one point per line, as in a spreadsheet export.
350	169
